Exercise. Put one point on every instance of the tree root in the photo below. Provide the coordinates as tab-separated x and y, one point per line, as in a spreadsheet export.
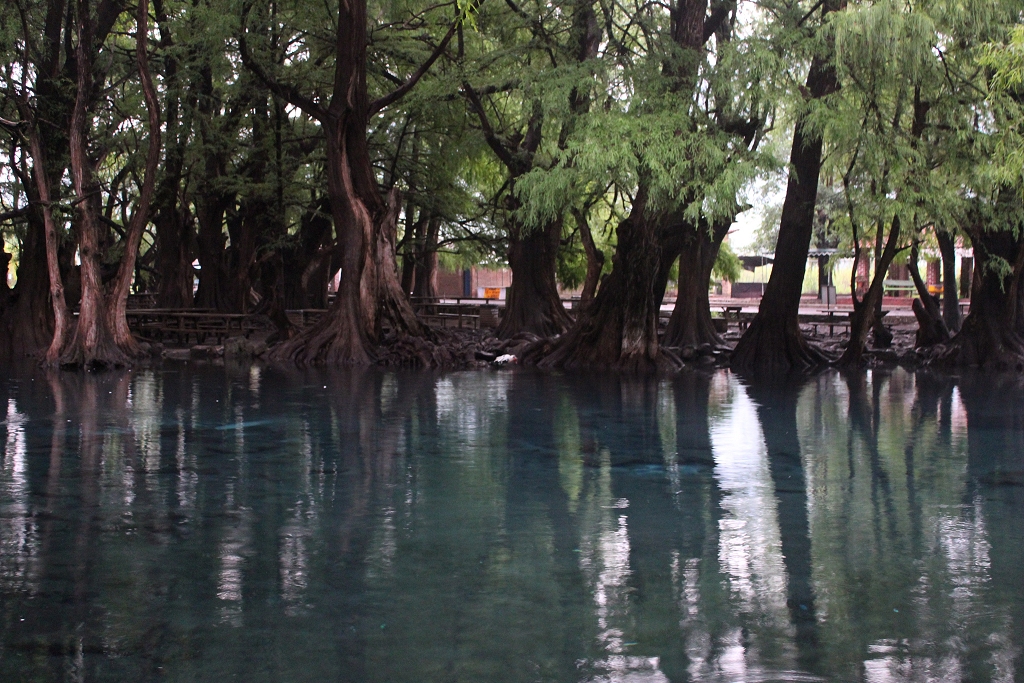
774	349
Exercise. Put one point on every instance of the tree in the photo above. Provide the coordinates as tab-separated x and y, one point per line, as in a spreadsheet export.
369	294
773	343
688	153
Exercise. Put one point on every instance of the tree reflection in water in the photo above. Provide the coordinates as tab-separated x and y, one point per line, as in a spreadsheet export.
202	523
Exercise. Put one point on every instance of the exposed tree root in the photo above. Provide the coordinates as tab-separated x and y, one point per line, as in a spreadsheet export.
771	347
981	343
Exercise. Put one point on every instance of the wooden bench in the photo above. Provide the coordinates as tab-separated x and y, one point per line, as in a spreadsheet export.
899	286
181	325
436	312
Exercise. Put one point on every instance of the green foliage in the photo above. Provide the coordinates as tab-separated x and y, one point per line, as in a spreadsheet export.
727	265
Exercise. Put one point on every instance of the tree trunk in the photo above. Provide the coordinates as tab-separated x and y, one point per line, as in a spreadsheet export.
370	295
865	311
950	297
991	335
27	321
691	323
620	328
62	322
930	327
425	270
414	234
774	343
308	262
533	303
595	259
117	299
102	337
172	219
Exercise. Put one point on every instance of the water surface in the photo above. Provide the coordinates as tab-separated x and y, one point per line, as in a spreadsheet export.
201	523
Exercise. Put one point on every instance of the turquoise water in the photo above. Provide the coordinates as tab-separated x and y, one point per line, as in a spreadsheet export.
243	523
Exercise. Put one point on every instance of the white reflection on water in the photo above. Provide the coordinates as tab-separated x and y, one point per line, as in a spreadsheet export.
749	554
951	620
234	548
18	532
750	548
604	560
296	535
470	404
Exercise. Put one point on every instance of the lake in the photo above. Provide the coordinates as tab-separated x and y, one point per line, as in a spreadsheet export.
205	523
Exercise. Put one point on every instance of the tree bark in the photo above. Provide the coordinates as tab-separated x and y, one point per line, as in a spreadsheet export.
865	311
691	323
425	271
595	259
774	343
950	296
62	323
533	303
306	264
370	295
930	327
172	219
991	336
102	337
620	329
117	299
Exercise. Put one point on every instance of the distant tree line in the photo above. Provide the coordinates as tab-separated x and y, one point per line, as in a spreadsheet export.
601	144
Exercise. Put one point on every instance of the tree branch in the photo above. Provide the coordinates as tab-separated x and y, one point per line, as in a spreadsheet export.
401	91
285	91
490	136
11	215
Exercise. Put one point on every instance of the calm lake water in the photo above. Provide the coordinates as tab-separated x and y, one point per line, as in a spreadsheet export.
242	523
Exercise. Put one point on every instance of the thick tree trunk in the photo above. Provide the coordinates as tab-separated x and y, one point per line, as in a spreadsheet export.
117	299
991	335
774	343
174	255
62	322
396	313
27	322
533	303
102	337
620	328
347	334
210	209
213	196
307	263
172	218
691	323
414	234
865	311
950	296
370	295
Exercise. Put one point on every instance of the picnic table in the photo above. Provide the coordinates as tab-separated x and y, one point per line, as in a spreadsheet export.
833	318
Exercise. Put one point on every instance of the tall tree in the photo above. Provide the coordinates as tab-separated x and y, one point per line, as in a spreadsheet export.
686	171
773	343
101	337
369	294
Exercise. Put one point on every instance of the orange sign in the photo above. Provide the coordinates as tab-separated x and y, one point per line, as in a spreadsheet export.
492	292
